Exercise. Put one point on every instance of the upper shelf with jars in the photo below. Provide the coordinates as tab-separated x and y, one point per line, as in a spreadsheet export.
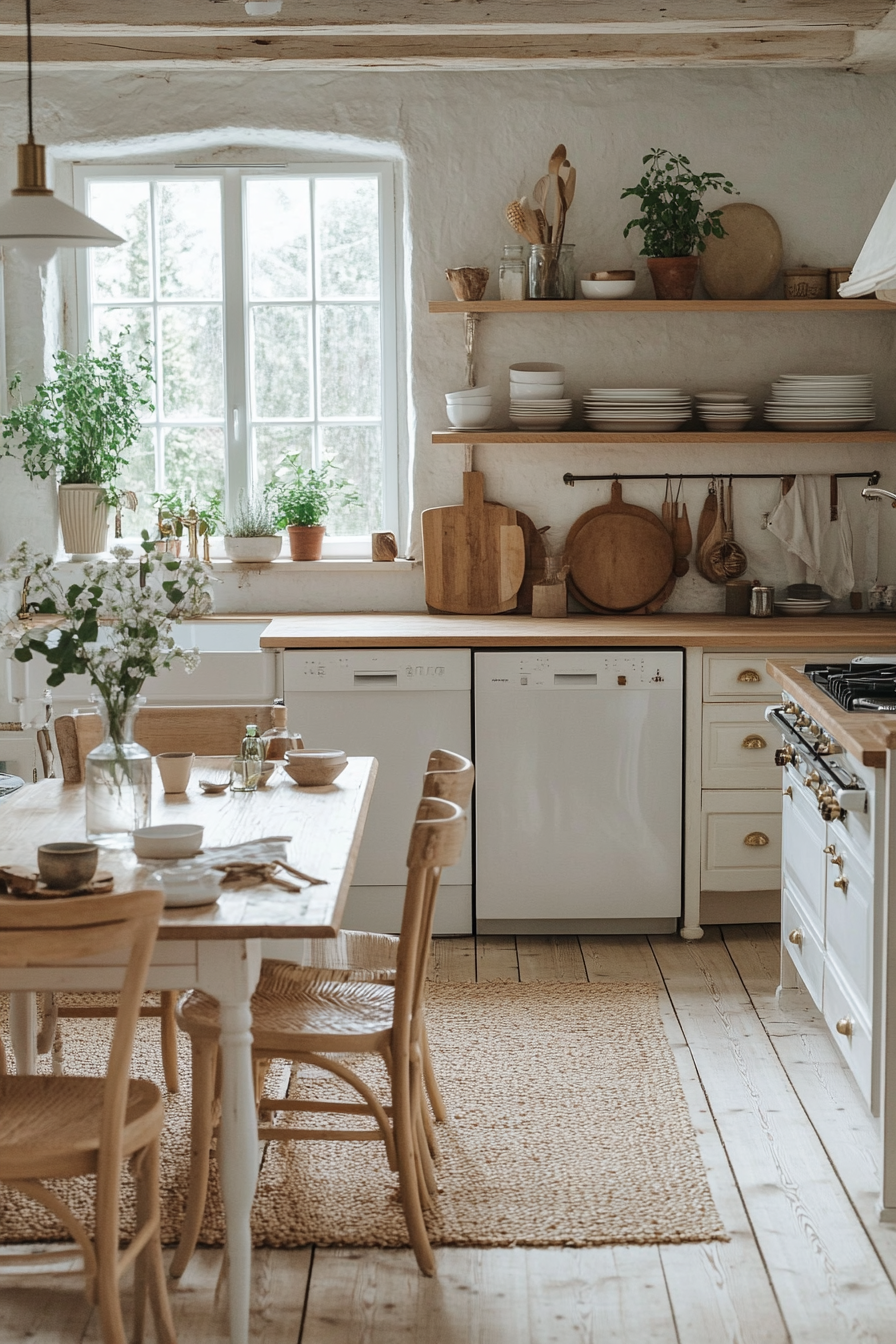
621	306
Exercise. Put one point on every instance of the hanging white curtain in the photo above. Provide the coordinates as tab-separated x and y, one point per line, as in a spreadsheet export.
876	267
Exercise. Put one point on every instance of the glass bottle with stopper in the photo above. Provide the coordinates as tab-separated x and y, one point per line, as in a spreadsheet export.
246	769
278	740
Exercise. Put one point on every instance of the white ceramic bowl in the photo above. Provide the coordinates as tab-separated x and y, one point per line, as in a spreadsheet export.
469	394
607	289
532	391
473	417
538	373
167	842
252	550
188	884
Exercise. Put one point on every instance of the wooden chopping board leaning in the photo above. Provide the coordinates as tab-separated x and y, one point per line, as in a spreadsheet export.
474	554
621	558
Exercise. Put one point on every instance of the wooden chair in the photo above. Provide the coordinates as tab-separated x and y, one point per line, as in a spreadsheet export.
207	730
62	1127
310	1020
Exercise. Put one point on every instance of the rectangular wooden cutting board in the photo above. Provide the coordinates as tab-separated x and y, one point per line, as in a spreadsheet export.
474	554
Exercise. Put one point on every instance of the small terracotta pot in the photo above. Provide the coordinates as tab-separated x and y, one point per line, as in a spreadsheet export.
673	277
305	543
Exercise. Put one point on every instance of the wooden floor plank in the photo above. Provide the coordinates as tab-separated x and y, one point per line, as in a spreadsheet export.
46	1308
756	954
550	958
599	1295
453	960
619	957
496	958
828	1280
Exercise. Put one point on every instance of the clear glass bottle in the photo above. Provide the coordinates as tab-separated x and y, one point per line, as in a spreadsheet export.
118	781
512	273
251	751
278	740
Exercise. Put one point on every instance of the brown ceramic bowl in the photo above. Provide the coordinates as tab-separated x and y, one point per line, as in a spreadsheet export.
312	768
68	864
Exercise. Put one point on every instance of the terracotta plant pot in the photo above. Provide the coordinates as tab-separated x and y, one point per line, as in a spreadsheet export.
673	277
84	517
305	542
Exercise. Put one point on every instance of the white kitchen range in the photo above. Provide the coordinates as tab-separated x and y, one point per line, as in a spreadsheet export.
838	725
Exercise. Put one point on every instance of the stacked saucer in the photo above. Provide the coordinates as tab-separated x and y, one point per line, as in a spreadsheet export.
822	402
724	412
537	396
636	410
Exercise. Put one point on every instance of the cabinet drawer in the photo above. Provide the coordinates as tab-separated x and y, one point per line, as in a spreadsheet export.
804	838
849	923
742	676
741	839
739	748
851	1030
801	945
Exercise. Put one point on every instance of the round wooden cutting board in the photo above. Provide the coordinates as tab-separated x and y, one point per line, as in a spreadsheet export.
620	558
744	263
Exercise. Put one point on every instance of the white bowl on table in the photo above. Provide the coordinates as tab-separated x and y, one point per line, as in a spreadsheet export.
188	884
607	289
180	841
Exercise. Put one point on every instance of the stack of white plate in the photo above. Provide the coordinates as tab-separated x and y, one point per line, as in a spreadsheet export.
822	402
537	396
801	606
636	410
724	412
469	409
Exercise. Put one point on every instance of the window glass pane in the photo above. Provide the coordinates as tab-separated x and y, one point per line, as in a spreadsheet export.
347	237
189	226
192	361
194	462
349	359
357	452
140	477
132	327
278	223
272	443
122	272
281	362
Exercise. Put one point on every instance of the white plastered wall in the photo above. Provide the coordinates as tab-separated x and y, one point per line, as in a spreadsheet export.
816	148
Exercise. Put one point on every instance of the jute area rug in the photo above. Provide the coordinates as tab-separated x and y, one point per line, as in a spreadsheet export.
567	1127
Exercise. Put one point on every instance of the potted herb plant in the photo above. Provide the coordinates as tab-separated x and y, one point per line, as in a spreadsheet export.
252	537
301	499
79	428
674	221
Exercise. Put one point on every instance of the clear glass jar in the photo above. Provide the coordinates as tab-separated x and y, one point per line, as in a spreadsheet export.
512	273
117	780
552	271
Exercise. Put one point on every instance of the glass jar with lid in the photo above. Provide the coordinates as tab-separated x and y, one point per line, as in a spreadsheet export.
512	273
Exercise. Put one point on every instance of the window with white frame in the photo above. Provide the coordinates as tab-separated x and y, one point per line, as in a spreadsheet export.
267	302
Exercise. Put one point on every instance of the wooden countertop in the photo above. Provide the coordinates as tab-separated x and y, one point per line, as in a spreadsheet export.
855	634
866	736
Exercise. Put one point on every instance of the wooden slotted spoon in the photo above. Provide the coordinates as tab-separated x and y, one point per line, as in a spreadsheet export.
726	559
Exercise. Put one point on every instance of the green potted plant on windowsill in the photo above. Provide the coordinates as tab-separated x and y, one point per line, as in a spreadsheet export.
252	538
79	428
302	498
674	221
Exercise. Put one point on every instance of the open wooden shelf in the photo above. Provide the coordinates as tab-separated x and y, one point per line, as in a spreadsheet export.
695	436
667	305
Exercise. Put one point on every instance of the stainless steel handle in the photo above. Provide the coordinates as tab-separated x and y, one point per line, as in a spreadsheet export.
575	679
754	743
376	678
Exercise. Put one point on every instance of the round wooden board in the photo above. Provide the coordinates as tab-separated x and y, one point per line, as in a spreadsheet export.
744	263
620	558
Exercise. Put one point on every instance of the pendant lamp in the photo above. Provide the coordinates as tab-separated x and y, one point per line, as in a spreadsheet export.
33	221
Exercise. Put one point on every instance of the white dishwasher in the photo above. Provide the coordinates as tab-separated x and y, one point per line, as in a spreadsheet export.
579	791
397	705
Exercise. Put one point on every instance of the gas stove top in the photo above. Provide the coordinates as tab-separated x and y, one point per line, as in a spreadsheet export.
865	685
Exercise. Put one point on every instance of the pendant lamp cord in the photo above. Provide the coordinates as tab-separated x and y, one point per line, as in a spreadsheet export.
30	112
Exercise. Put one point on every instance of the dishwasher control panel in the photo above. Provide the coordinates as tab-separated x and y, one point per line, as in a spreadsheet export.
657	670
377	670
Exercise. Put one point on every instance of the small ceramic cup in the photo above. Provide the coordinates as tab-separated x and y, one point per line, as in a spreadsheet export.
175	768
67	864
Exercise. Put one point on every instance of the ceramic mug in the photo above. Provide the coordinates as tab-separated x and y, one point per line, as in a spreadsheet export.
175	768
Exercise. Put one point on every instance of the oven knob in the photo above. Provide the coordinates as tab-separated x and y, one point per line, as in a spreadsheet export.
789	707
803	721
830	809
784	755
812	779
836	859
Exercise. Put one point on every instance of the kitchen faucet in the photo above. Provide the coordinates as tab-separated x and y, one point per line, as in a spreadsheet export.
875	492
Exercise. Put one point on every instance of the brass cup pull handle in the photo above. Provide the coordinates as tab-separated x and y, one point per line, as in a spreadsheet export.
749	674
795	936
845	1026
756	839
842	883
754	743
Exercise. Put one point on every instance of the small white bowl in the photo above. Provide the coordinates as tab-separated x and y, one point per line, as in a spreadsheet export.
538	373
469	394
469	419
532	391
607	289
167	842
188	884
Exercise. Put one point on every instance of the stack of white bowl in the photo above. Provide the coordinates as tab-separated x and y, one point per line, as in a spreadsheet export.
724	412
538	396
824	402
636	410
469	409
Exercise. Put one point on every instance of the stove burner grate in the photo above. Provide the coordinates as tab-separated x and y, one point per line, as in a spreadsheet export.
857	687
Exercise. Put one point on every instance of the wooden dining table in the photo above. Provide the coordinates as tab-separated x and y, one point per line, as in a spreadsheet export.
217	948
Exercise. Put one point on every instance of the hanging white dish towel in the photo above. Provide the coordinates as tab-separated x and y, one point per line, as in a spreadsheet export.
837	572
801	522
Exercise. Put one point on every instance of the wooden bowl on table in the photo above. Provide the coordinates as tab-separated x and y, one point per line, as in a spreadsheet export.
314	767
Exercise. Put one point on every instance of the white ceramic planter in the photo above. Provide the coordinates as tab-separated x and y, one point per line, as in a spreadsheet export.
84	517
253	550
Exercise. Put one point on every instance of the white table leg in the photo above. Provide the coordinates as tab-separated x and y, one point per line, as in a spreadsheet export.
23	1030
229	970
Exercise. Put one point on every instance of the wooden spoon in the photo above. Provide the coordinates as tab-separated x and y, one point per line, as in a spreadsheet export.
682	539
540	197
569	186
708	517
716	535
726	560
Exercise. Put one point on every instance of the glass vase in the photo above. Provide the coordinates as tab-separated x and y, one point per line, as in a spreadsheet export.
118	781
552	271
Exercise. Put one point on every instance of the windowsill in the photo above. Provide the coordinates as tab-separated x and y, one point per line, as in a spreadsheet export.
336	565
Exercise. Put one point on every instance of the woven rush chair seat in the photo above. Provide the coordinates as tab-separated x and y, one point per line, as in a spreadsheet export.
50	1127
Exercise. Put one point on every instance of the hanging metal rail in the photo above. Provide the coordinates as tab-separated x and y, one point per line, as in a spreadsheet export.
871	478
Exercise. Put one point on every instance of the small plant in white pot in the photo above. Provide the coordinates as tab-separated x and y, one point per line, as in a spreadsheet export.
302	498
252	537
79	428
